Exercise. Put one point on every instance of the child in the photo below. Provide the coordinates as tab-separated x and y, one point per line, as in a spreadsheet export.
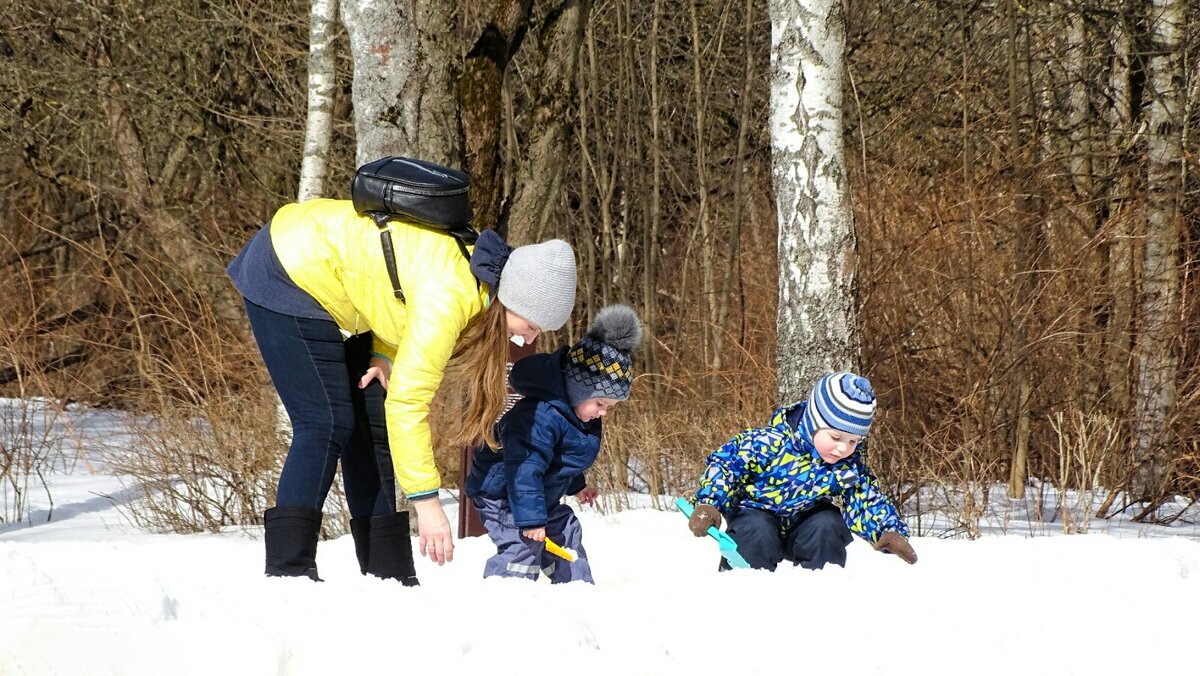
548	440
774	484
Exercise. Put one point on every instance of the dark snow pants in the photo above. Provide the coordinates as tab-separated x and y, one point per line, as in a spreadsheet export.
518	556
316	373
820	536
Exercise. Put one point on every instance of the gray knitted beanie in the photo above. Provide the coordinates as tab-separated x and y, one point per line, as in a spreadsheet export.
538	283
599	365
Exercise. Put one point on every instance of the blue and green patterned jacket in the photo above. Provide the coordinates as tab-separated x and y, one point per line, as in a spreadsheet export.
777	469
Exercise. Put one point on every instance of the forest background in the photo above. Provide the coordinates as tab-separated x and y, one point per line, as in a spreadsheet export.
1024	248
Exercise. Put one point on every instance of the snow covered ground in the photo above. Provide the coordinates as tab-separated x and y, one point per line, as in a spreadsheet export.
87	593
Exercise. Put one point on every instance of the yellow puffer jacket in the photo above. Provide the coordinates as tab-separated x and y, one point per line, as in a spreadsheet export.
334	254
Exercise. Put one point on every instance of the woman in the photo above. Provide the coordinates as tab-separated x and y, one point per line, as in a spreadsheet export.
343	352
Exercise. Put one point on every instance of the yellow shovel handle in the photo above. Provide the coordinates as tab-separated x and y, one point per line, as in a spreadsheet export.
559	551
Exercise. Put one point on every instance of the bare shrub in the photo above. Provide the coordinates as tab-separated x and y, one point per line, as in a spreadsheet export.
30	449
199	469
1085	444
209	451
31	437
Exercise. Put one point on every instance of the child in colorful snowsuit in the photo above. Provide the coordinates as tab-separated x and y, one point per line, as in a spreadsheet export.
775	485
548	441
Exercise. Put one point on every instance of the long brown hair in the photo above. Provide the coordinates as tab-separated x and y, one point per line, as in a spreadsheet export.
479	367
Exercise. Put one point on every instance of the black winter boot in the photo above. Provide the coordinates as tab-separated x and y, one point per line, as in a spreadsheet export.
361	530
384	547
291	537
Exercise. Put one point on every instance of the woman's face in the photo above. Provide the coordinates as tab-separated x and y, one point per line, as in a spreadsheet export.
520	330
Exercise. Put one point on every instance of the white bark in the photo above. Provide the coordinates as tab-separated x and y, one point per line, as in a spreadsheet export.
1159	298
322	81
1121	265
1078	113
404	86
817	319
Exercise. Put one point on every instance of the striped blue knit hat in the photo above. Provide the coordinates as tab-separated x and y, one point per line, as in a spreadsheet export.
842	401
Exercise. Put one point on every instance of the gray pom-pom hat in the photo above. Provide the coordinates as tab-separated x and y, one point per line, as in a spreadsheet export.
599	365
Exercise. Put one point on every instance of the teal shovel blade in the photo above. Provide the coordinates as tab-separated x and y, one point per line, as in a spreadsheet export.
725	543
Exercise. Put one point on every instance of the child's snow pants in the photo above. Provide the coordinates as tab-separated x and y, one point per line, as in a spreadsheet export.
518	556
820	536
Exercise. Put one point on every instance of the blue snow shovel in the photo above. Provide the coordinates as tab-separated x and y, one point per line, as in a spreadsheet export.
726	544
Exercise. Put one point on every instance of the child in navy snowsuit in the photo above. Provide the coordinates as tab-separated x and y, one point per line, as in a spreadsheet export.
548	440
775	485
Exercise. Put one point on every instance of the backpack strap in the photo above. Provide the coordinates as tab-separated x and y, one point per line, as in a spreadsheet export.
465	235
462	236
389	252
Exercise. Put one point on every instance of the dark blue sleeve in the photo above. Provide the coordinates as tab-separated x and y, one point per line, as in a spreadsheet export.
529	436
578	483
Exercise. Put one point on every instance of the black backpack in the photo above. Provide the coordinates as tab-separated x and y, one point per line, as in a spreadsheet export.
423	193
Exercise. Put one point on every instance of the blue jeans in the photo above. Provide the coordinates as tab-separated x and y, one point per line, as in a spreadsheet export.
316	374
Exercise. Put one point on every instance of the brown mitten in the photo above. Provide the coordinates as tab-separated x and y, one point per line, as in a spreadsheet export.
892	542
703	517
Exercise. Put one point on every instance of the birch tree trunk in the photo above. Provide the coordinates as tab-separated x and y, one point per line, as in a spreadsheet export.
1120	249
322	81
817	319
1078	112
1159	299
404	84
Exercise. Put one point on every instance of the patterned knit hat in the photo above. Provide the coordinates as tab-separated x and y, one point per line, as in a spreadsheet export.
599	365
842	401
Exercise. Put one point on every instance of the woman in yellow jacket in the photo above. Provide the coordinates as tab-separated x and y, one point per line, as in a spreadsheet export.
346	355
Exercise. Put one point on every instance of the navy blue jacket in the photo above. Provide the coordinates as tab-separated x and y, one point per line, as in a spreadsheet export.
545	447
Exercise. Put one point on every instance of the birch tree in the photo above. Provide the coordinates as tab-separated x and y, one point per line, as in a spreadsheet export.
1159	301
322	82
1120	267
404	84
817	319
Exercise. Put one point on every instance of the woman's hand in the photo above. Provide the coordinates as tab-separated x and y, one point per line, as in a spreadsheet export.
380	369
434	531
536	534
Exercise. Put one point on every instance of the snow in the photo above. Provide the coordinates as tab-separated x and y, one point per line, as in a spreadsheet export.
88	593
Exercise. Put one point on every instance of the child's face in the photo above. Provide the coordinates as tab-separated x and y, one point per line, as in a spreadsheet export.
834	445
590	409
